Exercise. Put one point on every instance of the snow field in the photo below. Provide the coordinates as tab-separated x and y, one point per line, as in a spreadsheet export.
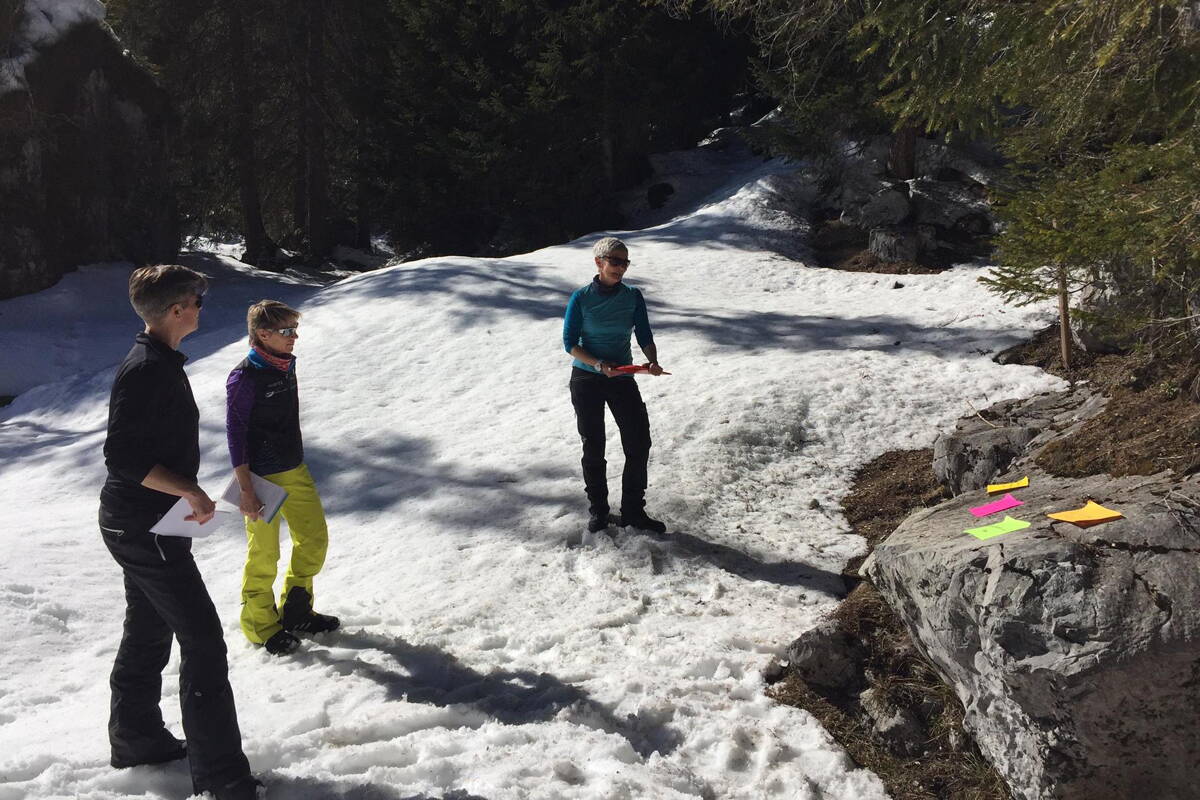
490	647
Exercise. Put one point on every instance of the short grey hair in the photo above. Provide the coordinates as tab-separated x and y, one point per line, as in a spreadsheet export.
153	290
607	245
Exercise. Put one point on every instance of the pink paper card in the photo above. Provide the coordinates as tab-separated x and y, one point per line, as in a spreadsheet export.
1003	504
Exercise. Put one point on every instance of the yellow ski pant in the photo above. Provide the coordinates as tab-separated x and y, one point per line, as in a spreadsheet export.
310	539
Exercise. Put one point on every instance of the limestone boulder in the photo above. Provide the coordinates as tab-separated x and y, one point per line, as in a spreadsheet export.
1075	651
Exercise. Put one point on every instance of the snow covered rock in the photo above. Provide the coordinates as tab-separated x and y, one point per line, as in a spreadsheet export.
83	169
1075	651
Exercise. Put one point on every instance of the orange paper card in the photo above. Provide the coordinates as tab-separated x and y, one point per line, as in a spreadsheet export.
1091	514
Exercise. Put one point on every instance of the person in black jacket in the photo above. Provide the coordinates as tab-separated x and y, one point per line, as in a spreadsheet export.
262	425
153	456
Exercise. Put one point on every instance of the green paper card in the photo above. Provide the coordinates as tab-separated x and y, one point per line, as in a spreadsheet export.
1006	525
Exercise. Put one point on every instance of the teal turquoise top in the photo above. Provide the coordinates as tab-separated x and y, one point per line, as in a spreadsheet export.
600	318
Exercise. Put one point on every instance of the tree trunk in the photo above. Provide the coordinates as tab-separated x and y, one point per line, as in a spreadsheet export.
316	171
902	157
608	113
259	247
362	189
1064	320
300	188
362	201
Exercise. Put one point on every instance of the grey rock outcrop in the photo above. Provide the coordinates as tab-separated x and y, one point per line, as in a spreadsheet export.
827	656
943	208
1075	651
83	160
950	206
885	207
983	446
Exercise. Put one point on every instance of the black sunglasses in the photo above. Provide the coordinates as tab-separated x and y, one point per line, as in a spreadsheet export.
620	262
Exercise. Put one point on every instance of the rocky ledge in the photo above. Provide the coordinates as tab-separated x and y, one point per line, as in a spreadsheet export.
1075	651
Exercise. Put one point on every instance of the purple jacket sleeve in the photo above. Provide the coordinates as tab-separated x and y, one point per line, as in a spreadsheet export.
239	401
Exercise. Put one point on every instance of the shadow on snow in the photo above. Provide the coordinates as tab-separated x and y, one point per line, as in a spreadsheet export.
428	675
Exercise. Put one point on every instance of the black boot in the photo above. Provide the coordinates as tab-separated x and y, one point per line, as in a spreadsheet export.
598	521
247	788
281	643
168	749
639	520
298	616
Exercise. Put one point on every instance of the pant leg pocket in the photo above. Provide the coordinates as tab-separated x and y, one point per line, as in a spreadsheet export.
109	525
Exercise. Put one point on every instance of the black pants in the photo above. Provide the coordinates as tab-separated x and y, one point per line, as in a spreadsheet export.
165	597
590	392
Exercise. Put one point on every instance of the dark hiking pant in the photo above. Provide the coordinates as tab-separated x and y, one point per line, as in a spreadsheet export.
590	392
165	597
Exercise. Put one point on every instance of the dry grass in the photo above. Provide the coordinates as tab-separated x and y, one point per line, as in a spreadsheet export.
1151	422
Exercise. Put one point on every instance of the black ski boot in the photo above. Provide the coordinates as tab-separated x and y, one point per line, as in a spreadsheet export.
298	616
282	643
598	520
639	520
247	788
168	749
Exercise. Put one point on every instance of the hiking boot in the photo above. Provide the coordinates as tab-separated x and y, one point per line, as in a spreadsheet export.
171	749
642	522
299	617
247	788
598	521
281	643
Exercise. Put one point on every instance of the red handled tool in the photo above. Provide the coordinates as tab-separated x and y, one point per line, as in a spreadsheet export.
632	369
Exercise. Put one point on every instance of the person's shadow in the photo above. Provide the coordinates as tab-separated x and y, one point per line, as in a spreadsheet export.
429	675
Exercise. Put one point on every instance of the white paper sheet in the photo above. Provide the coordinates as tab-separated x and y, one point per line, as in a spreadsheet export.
269	494
174	524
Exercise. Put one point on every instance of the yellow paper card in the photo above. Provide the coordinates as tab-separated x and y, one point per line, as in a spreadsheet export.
1091	514
1004	487
1006	525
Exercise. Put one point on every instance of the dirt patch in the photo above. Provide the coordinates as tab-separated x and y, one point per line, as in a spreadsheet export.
1138	433
1151	422
887	490
948	765
839	245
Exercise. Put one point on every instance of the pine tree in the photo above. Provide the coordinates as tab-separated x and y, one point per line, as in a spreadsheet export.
1095	104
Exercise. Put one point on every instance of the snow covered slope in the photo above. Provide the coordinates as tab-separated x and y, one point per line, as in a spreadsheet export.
490	648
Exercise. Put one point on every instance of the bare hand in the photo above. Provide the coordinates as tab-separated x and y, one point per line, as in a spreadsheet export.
606	369
654	368
203	508
249	504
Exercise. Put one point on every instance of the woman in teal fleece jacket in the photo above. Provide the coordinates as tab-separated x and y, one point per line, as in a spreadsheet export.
599	320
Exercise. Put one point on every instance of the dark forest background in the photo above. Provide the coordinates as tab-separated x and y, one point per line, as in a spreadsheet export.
478	127
487	128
